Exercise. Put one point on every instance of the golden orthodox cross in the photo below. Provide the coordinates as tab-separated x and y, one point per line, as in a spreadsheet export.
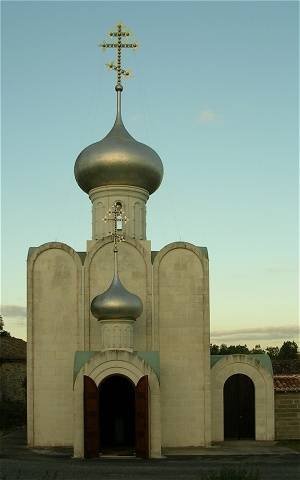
118	217
117	65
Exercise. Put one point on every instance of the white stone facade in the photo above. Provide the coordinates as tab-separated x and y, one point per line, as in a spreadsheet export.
186	395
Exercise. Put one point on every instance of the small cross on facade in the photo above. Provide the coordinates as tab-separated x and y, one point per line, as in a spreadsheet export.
118	217
117	65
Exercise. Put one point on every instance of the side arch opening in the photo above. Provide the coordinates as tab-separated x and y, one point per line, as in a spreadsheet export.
239	408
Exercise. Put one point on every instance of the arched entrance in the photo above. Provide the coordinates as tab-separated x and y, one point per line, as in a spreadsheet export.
239	408
117	415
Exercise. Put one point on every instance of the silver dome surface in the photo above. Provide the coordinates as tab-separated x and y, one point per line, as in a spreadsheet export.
118	159
116	303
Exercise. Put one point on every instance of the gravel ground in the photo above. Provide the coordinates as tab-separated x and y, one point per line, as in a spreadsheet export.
20	463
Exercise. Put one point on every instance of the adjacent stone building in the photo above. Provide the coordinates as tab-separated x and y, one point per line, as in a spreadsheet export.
12	369
287	406
108	382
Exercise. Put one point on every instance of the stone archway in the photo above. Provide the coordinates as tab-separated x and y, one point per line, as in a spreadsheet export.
103	365
264	394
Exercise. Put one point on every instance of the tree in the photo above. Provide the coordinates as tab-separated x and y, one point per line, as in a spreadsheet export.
288	350
223	349
214	349
242	349
3	332
231	350
257	349
272	352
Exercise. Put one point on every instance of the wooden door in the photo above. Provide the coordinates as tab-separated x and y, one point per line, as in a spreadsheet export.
239	407
142	418
246	407
91	418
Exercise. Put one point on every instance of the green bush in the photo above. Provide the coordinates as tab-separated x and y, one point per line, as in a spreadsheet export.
12	414
232	474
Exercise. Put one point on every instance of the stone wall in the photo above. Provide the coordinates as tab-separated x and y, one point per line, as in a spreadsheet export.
287	415
13	381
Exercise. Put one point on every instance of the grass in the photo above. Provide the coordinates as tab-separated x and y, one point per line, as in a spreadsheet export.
232	474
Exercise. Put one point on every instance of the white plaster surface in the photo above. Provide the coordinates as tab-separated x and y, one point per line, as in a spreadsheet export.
182	323
54	333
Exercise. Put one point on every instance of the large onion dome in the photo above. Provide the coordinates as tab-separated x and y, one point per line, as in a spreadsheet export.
116	303
118	159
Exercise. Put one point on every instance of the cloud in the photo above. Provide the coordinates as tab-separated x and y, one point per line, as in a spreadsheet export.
208	116
13	311
257	333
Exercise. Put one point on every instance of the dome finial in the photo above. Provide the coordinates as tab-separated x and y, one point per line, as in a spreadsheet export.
121	31
118	159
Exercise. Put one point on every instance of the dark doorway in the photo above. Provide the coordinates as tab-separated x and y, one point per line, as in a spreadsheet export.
117	416
239	408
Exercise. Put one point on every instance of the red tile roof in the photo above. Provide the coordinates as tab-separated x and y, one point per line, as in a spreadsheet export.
287	383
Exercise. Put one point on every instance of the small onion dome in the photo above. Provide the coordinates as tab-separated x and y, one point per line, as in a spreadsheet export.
116	303
118	159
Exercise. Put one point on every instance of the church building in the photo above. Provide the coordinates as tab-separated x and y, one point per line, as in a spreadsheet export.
119	335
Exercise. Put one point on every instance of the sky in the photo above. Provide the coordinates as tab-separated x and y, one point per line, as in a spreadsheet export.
214	91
